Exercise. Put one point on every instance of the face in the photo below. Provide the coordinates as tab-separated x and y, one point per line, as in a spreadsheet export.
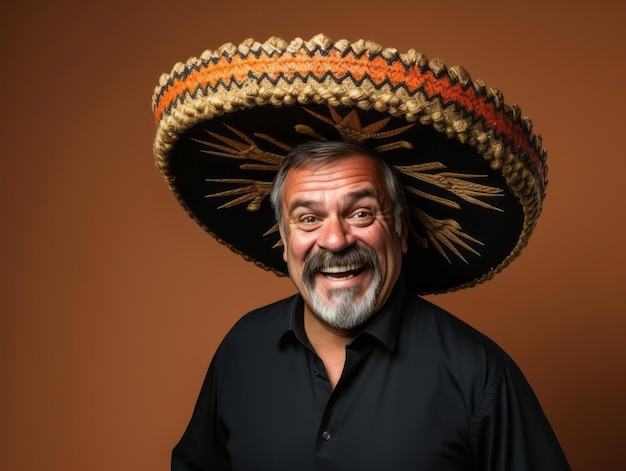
340	243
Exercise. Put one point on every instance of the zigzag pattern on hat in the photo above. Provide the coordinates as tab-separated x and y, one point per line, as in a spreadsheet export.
278	62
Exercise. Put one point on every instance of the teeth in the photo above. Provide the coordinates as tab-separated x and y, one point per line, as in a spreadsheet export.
340	268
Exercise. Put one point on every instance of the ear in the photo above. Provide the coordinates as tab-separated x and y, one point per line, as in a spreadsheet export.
283	240
405	231
284	251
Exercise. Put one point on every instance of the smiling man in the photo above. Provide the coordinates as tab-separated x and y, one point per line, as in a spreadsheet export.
342	243
367	193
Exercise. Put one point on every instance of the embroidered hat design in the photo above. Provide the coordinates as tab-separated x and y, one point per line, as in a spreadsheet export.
474	172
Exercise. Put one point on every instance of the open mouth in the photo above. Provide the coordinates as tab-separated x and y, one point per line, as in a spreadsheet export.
339	272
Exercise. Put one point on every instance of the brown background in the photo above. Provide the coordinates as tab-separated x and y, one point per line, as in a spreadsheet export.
113	301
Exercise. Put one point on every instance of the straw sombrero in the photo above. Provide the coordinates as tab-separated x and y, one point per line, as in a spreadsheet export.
474	173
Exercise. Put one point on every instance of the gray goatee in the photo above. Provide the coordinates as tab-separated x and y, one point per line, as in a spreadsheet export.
345	313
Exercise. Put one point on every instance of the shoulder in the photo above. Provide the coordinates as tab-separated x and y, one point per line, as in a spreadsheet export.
446	336
269	322
277	314
453	352
242	358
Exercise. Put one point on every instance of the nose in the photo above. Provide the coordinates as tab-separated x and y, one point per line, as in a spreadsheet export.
335	235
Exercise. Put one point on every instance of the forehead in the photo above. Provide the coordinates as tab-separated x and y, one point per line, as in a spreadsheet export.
341	174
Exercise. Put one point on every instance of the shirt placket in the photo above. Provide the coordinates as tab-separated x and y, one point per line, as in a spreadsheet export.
326	409
329	405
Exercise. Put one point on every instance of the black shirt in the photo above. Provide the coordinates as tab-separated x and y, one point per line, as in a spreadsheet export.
420	390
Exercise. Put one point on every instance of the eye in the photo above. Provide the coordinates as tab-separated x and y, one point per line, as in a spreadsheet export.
362	217
308	222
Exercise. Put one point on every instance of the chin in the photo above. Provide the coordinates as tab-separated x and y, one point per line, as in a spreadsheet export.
343	310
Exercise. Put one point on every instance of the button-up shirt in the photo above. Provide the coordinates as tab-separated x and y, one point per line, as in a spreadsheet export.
420	390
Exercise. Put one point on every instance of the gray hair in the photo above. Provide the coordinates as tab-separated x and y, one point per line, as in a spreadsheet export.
320	152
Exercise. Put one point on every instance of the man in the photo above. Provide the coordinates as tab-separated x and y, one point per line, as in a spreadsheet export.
355	371
344	237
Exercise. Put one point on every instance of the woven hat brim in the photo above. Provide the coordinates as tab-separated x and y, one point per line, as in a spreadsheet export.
475	174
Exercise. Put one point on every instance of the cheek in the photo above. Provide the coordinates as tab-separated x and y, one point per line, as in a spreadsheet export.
297	247
387	246
378	238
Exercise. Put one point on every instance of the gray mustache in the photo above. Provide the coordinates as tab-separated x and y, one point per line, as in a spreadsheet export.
352	255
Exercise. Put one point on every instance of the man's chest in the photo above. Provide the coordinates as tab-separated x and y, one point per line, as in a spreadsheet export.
375	419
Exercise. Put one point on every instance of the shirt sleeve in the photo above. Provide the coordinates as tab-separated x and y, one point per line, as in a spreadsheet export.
203	445
510	431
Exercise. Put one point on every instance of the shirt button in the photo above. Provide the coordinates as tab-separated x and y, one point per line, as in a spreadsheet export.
326	435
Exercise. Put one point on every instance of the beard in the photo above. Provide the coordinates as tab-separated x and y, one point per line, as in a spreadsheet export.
342	311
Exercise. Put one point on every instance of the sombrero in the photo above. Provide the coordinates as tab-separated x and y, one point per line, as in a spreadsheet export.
474	172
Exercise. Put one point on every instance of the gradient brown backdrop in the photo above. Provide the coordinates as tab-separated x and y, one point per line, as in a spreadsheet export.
113	301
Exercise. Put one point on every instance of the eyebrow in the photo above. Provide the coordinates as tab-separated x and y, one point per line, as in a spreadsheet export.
350	198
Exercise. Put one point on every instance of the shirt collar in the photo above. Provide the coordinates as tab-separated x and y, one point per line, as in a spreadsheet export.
383	326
